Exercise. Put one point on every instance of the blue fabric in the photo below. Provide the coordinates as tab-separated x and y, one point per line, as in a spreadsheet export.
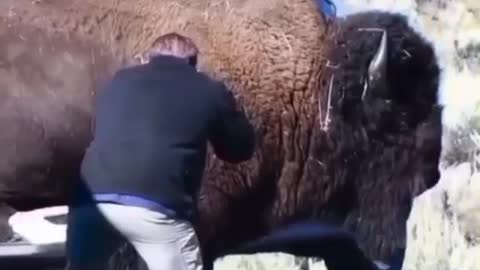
91	239
337	247
307	238
137	201
327	7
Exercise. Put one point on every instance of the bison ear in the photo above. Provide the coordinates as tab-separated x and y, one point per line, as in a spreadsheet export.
377	69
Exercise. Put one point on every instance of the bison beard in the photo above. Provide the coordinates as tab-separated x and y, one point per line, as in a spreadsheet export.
367	158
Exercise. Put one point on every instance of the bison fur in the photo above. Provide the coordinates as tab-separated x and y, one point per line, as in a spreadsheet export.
324	152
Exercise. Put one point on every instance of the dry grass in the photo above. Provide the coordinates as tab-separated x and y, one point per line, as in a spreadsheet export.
461	143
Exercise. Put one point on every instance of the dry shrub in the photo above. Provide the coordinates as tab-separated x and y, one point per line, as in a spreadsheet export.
461	142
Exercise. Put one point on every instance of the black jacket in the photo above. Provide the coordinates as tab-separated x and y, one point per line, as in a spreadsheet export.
152	125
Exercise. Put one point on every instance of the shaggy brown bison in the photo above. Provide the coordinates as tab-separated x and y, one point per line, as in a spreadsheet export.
374	145
335	142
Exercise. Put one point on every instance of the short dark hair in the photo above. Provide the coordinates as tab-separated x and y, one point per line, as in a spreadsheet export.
173	44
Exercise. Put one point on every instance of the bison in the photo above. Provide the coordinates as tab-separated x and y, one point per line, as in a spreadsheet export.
346	115
372	145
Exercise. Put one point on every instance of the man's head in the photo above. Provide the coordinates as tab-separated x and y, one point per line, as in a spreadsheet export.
171	44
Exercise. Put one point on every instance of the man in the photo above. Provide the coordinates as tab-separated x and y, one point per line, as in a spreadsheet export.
145	163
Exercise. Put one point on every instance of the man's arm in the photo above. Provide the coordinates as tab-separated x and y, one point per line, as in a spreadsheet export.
232	136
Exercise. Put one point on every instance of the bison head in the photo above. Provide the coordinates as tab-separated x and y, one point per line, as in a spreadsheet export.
378	141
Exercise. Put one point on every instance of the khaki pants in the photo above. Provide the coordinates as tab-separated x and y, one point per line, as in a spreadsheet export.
163	243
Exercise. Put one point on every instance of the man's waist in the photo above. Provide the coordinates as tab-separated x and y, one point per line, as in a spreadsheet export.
180	211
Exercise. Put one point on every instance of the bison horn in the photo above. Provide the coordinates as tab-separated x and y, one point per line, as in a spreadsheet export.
377	69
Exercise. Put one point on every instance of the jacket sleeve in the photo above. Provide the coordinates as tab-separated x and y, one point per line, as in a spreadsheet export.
232	135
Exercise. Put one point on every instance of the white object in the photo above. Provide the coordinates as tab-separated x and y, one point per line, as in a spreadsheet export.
42	237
